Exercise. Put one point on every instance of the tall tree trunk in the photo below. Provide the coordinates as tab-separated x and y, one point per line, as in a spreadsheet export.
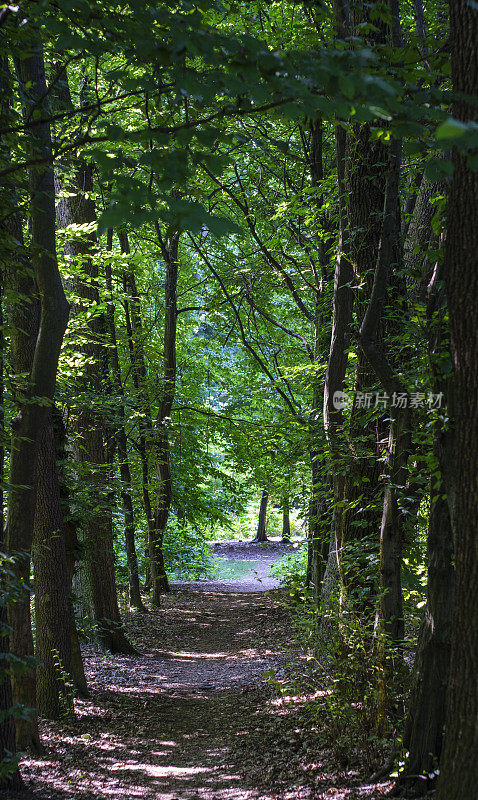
52	607
92	445
261	533
336	367
138	368
425	722
424	727
459	765
32	415
72	547
399	447
286	519
165	488
122	449
12	779
365	165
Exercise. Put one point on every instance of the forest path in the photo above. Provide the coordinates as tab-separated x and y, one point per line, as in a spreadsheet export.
192	717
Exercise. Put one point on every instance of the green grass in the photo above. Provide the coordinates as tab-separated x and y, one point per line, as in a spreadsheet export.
231	568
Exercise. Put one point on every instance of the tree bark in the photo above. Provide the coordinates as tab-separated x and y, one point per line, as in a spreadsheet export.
399	447
459	765
261	534
165	486
135	338
73	548
11	779
286	536
32	415
336	367
52	607
424	727
122	449
91	445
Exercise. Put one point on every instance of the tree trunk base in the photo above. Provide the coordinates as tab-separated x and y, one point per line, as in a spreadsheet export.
117	643
140	606
26	741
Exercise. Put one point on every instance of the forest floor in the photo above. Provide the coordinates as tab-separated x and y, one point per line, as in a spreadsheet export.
192	716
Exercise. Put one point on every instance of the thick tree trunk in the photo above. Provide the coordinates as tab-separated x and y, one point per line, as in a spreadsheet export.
52	607
424	727
12	779
91	445
32	415
261	533
459	765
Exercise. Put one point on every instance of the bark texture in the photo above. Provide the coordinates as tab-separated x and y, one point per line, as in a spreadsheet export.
135	337
161	449
261	533
285	520
52	607
92	435
32	415
459	765
122	449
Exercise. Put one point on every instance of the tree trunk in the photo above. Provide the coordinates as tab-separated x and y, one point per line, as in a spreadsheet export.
165	488
399	447
10	780
261	534
91	449
365	165
32	414
52	607
459	765
135	339
424	726
336	367
286	537
122	448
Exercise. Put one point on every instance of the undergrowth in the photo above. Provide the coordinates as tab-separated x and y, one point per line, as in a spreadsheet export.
344	669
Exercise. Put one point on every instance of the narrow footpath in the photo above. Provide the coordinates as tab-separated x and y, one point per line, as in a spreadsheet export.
194	717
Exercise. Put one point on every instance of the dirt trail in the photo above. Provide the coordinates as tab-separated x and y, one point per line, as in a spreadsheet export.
192	717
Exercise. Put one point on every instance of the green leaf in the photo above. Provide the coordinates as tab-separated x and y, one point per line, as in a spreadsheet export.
450	129
438	169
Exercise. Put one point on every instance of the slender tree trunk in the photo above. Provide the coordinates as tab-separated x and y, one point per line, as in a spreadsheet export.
459	765
122	448
261	534
138	368
399	448
286	537
165	493
337	365
360	494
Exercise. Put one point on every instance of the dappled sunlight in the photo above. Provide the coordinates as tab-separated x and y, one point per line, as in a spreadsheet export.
204	712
